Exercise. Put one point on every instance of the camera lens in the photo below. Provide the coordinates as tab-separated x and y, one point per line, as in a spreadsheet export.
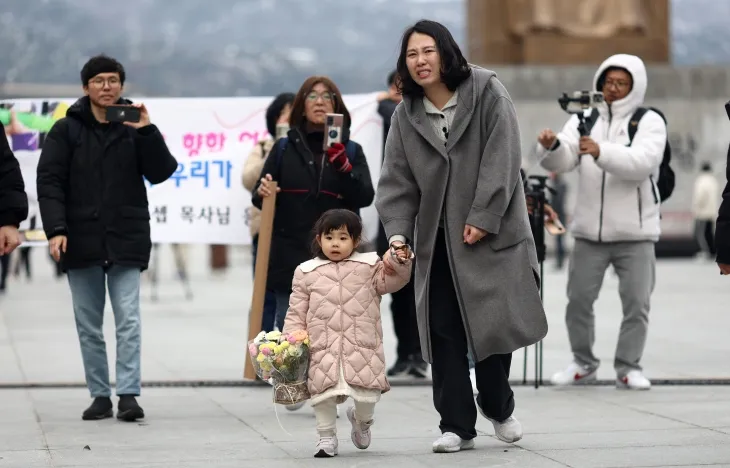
333	133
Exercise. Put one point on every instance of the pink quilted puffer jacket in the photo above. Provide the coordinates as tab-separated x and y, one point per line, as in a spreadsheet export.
338	303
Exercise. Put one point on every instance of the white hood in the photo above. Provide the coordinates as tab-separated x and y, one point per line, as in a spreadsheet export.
635	66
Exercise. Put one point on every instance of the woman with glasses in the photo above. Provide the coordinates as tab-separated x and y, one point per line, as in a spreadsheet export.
311	180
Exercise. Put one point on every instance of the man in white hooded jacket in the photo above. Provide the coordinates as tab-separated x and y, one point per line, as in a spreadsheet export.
616	218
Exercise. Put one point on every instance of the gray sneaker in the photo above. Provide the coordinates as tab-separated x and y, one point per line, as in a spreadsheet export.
450	443
326	447
360	430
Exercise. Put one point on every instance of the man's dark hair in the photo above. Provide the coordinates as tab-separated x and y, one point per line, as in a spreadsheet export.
454	67
274	110
101	64
392	77
336	219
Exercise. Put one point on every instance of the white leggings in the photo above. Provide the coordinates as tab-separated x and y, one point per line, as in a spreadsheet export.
326	414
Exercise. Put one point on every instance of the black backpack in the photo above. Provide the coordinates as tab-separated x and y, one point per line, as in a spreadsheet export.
665	183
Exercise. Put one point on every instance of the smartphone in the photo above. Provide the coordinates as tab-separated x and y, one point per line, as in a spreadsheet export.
122	114
333	129
281	130
555	228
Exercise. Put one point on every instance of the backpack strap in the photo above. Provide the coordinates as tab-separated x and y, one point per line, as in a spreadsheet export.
634	123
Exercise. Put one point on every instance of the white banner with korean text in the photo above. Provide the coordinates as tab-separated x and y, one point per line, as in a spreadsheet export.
204	202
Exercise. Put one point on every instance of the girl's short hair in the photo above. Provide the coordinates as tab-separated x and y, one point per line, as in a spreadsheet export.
336	219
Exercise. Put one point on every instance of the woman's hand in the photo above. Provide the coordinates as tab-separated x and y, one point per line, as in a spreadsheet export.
264	189
473	234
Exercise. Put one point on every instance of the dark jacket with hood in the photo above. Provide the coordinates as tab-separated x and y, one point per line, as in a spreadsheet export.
13	200
309	187
91	187
722	229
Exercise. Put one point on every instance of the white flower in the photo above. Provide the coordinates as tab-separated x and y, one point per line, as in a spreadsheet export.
259	337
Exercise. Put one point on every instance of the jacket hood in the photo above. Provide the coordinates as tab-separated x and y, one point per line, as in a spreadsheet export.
81	109
636	68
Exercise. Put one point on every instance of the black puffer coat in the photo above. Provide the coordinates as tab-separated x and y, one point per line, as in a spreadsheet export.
91	187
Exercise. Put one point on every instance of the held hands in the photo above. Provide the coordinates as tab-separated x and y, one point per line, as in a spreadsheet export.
724	268
9	239
264	189
472	234
144	117
399	252
57	245
547	138
588	146
338	157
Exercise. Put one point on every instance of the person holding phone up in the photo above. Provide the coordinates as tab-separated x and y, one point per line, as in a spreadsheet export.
311	180
93	204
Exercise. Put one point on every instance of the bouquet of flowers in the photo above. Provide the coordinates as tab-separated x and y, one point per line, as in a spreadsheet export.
283	361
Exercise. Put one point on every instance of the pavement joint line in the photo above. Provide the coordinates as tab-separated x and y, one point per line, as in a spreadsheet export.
393	383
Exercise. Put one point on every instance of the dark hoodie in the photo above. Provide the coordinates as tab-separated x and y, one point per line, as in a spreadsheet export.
91	187
13	200
722	229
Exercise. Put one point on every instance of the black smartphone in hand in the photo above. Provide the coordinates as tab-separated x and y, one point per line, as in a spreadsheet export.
122	114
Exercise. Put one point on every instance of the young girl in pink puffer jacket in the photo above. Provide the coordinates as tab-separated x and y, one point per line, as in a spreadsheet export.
336	299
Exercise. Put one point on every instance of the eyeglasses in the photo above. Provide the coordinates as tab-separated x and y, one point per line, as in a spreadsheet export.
100	82
617	84
326	96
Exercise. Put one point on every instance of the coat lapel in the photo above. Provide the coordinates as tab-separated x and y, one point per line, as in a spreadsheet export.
417	116
464	112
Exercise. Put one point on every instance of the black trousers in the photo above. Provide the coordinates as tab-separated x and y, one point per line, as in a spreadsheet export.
403	308
405	323
452	391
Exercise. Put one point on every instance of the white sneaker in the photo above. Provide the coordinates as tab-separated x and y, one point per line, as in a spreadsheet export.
295	406
360	430
450	443
326	447
509	430
575	374
634	380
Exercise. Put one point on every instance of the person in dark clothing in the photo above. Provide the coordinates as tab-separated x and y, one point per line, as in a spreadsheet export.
13	204
722	226
310	182
93	203
409	360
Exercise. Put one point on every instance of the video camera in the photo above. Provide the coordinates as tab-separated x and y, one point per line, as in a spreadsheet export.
578	103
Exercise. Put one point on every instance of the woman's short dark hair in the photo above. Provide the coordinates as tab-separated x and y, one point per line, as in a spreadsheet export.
297	119
274	110
101	64
336	219
454	67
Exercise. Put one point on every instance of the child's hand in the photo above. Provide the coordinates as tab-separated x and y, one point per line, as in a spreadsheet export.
400	253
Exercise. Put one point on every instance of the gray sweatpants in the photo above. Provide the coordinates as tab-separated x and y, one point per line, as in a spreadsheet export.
635	264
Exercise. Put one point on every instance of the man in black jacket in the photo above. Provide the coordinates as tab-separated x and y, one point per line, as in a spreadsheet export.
13	201
93	203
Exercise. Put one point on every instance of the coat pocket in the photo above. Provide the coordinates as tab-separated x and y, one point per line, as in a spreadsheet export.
366	333
505	239
317	336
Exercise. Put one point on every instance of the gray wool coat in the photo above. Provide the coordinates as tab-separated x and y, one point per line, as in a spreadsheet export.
475	178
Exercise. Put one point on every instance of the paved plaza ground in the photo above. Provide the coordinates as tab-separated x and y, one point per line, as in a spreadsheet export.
203	340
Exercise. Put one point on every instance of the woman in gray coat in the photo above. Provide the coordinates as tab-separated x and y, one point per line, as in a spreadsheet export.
450	184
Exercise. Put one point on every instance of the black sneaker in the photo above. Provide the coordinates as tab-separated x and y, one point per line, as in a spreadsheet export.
101	408
128	409
400	368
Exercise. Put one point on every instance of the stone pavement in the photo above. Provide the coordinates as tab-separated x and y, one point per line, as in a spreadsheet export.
237	427
186	342
205	339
